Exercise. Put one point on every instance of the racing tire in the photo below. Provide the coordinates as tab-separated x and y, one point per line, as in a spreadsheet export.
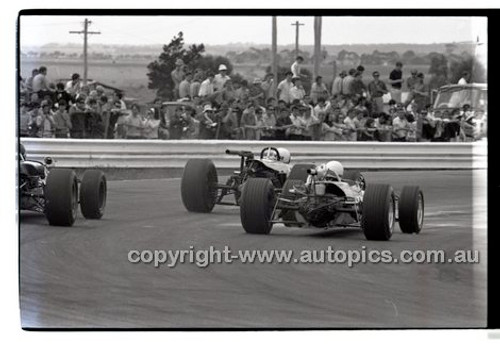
199	185
299	171
411	210
356	177
61	197
93	193
378	212
289	215
257	203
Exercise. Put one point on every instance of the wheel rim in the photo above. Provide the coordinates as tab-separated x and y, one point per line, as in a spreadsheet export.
102	195
212	190
74	199
390	216
420	211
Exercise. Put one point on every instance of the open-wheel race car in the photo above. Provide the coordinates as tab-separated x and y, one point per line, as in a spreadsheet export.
56	192
201	190
329	197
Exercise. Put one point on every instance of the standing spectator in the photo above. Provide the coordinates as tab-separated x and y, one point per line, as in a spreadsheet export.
350	125
383	126
74	85
267	86
29	83
134	122
34	117
24	120
78	118
283	122
284	88
177	76
241	91
396	81
347	83
312	129
194	88
207	87
333	126
230	128
318	90
95	125
296	131
62	120
412	128
268	124
400	126
151	124
249	123
61	94
338	83
105	112
297	91
256	91
41	83
420	93
321	107
367	133
296	67
118	97
163	128
46	124
221	78
177	124
185	86
377	90
465	78
410	84
208	126
358	88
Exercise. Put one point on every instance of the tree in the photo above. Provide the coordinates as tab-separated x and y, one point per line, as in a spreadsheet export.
439	70
160	70
468	64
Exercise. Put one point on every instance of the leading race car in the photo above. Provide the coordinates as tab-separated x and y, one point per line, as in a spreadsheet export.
329	197
200	189
56	192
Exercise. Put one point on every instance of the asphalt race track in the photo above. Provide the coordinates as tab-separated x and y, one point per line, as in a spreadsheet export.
80	277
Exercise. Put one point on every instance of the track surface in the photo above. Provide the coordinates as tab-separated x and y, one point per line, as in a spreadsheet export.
80	276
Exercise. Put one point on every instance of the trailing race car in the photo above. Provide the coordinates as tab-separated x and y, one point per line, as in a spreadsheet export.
56	192
329	197
200	189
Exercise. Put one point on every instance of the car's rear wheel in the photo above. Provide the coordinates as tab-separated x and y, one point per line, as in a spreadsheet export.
411	210
378	212
199	185
257	203
93	192
61	197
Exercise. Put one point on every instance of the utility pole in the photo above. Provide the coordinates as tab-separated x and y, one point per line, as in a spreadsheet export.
274	55
297	24
317	45
85	33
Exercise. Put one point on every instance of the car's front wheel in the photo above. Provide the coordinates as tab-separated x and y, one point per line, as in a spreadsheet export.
378	212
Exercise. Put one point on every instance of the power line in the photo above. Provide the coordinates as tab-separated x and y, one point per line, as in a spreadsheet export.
85	33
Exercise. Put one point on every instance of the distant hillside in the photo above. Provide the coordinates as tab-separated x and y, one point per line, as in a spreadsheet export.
154	50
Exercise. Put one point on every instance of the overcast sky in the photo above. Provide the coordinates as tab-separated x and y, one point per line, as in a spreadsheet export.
38	30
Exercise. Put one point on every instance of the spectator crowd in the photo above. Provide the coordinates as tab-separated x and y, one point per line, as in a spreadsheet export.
213	106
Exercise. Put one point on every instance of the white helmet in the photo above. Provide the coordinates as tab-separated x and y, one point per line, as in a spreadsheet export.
222	67
285	155
335	168
270	154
